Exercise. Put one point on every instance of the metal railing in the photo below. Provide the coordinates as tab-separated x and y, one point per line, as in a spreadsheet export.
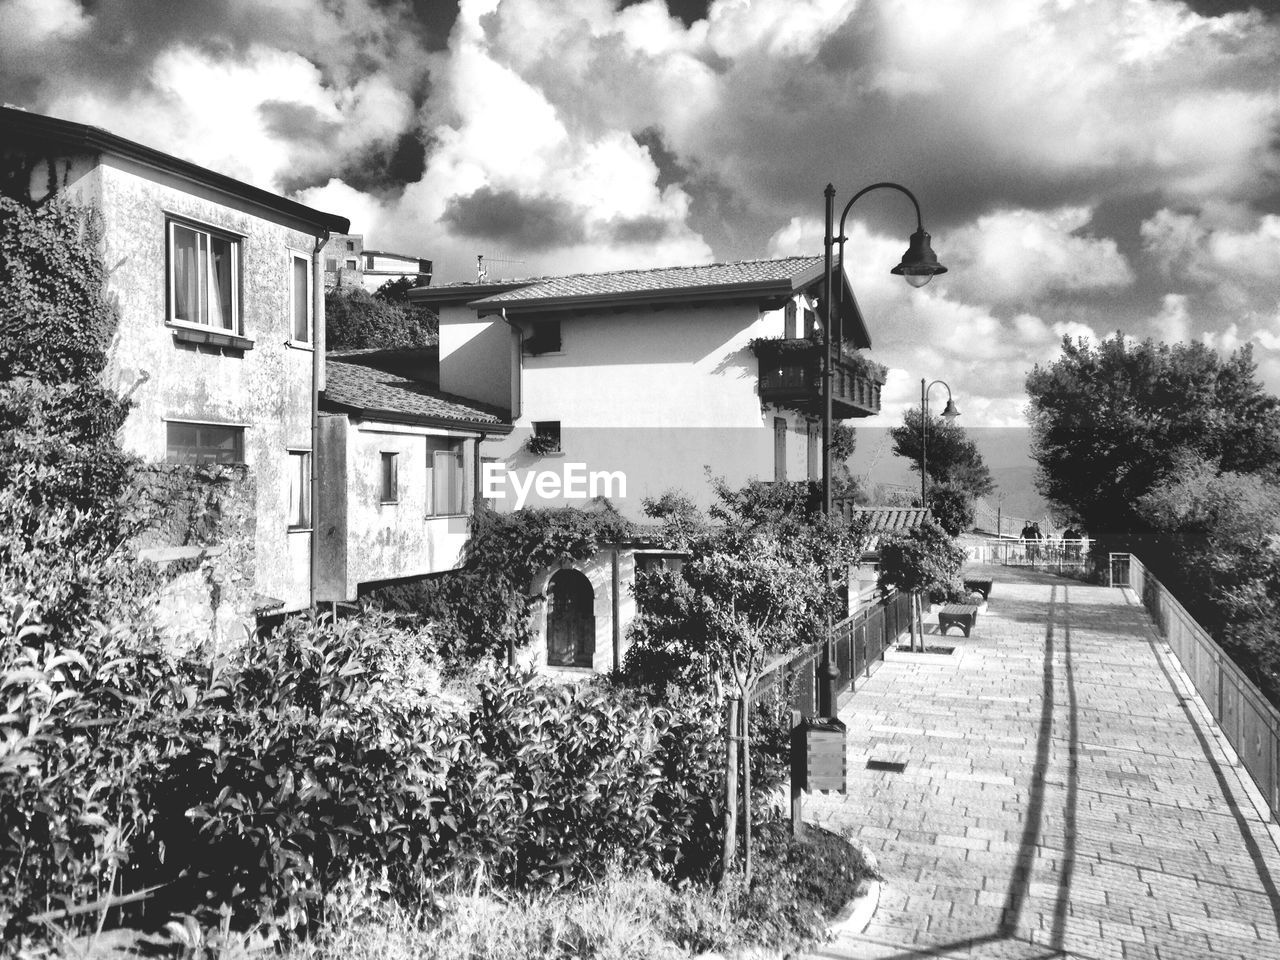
860	640
1061	556
1250	723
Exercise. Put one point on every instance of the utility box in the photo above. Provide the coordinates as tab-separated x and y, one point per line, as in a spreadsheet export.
819	755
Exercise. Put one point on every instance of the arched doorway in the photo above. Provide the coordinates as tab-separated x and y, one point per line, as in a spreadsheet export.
571	620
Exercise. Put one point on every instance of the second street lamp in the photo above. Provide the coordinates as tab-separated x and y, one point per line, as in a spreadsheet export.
919	265
949	412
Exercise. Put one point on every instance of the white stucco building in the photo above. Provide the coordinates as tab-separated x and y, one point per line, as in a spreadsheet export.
644	380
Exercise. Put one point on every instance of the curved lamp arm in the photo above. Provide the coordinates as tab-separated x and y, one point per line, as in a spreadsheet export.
950	412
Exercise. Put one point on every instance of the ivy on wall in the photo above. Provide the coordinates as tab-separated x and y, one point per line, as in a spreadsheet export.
485	605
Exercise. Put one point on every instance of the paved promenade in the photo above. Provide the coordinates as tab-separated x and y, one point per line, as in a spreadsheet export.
1065	795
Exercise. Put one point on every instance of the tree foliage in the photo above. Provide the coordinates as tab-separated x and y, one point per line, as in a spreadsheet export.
952	506
1216	545
1113	420
924	557
951	457
754	581
355	319
62	473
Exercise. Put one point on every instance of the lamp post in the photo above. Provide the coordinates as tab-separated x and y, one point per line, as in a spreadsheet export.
919	265
949	412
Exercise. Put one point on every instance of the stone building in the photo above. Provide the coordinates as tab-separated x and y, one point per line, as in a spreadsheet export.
221	317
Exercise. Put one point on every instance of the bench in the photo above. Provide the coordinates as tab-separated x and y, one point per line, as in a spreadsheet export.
962	615
980	586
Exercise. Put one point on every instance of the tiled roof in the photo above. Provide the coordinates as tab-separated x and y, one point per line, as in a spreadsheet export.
630	282
370	390
881	520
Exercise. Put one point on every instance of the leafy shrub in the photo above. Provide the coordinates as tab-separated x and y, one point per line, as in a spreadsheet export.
920	559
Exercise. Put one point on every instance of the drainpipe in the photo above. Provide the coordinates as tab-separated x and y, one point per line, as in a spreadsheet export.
317	385
519	399
617	612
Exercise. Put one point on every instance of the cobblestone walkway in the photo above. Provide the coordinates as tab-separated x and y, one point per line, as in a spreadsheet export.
1065	795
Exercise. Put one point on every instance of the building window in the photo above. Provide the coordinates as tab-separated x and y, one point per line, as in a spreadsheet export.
543	338
331	264
299	489
814	450
390	477
446	478
351	265
301	284
196	443
810	323
351	245
546	437
789	321
204	277
779	448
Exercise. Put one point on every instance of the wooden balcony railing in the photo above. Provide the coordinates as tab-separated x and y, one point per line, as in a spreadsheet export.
791	376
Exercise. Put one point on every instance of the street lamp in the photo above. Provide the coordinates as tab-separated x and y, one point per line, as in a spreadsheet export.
949	412
919	265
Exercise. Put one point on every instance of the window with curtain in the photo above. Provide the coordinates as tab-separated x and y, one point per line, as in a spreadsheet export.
204	278
301	299
299	489
196	443
446	478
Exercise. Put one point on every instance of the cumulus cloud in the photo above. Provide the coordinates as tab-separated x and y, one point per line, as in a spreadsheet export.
572	136
1018	256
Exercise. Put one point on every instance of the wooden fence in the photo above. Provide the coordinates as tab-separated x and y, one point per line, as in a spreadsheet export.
1251	724
860	640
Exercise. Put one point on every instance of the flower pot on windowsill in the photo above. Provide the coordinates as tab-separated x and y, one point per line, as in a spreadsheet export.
541	446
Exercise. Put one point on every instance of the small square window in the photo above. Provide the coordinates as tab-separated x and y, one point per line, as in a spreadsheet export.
351	265
331	264
197	443
204	277
351	245
301	294
546	437
299	489
390	477
543	338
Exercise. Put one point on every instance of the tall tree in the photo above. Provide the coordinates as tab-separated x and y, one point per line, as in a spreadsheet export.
951	457
356	319
1113	420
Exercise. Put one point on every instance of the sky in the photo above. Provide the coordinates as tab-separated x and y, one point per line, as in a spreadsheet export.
1084	166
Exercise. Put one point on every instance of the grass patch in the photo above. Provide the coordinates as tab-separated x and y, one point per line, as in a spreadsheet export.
799	886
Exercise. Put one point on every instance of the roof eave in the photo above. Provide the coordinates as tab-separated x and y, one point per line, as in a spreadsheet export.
416	419
756	290
95	139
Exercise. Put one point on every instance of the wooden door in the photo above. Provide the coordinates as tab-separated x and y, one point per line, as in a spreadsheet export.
571	621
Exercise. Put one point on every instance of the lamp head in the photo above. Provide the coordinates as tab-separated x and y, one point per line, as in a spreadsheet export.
950	413
919	264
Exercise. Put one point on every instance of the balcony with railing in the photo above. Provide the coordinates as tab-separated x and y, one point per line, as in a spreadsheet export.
791	376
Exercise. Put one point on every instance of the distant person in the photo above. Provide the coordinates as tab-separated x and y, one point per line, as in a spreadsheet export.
1036	538
1028	536
1070	538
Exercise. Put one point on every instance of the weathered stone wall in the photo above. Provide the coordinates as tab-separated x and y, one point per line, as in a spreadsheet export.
200	529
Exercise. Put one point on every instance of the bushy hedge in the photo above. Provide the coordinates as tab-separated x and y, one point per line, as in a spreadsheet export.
261	782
